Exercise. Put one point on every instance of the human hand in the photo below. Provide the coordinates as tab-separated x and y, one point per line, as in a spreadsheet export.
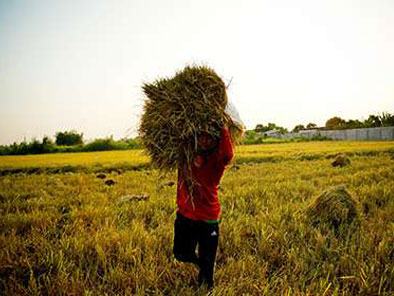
198	161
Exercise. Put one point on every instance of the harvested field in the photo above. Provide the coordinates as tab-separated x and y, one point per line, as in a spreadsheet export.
69	233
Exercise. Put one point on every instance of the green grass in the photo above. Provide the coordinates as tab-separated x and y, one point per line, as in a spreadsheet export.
68	233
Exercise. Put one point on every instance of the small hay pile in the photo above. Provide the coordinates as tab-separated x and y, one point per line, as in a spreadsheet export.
334	209
177	109
130	198
341	160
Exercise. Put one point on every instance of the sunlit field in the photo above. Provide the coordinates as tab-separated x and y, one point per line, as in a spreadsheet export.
64	231
96	161
77	160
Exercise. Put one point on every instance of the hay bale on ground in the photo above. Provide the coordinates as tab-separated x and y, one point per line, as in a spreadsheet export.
341	160
177	110
110	182
334	209
130	198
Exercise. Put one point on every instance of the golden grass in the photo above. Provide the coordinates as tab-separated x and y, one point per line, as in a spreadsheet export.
246	153
313	147
68	234
105	158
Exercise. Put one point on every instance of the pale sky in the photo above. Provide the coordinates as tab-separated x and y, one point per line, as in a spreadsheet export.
79	64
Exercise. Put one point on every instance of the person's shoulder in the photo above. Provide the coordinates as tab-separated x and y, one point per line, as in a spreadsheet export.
224	132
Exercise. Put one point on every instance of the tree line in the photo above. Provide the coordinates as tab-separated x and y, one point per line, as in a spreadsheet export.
334	123
380	120
67	141
72	141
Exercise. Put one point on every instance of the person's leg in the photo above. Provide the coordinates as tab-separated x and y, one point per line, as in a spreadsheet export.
207	245
185	240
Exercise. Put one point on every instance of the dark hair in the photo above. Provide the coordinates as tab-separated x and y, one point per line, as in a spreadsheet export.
213	148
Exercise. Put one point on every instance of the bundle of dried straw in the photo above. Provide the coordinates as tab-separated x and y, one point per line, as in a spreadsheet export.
335	209
177	109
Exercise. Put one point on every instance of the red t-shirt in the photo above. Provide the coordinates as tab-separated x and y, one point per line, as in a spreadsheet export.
206	173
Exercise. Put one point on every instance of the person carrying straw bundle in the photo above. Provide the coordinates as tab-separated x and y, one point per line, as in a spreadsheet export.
199	209
186	127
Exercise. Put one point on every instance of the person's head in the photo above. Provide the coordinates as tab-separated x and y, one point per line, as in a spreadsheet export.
205	141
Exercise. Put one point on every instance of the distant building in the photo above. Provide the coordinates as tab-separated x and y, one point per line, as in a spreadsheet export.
308	132
359	134
271	133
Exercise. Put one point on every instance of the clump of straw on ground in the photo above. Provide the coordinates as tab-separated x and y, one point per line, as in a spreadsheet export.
341	160
334	209
176	110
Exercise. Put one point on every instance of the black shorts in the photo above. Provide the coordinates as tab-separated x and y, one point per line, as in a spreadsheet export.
188	234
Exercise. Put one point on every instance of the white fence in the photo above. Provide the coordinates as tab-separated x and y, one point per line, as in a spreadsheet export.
359	134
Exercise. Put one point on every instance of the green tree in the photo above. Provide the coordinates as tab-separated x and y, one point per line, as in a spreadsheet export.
259	128
354	124
69	138
387	119
311	125
282	130
373	121
298	128
271	126
47	141
335	123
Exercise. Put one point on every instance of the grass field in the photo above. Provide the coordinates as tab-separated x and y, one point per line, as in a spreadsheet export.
64	232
